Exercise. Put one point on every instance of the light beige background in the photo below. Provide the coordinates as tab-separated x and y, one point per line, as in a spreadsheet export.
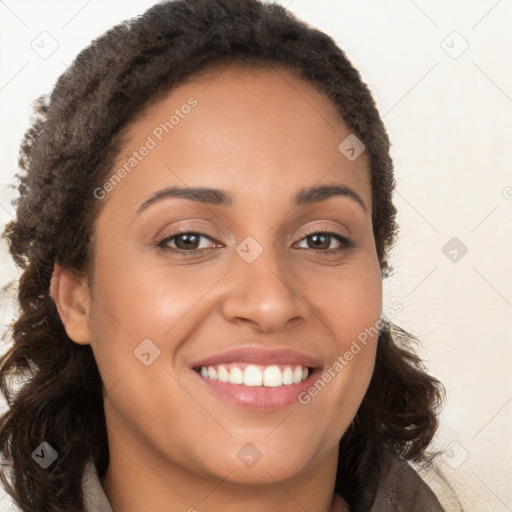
448	110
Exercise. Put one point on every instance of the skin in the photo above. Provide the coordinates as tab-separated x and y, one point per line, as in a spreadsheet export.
261	135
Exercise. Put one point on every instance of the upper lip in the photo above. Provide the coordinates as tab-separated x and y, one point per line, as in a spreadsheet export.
259	356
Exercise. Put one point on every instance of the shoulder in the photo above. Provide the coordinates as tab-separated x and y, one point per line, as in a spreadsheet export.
94	497
401	488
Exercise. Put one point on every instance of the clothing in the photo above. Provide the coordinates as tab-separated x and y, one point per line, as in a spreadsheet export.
399	489
95	499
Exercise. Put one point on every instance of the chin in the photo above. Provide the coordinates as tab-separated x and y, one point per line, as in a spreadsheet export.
259	466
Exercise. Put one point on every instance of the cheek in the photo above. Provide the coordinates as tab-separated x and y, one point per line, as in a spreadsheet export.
350	305
162	301
358	323
349	300
143	300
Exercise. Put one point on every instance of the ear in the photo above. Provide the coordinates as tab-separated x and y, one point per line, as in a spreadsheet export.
72	298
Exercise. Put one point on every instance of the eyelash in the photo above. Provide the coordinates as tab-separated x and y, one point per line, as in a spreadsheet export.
345	243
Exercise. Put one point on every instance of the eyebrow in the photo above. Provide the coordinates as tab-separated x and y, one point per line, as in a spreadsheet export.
217	197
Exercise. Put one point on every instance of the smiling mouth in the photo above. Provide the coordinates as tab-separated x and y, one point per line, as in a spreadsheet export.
251	375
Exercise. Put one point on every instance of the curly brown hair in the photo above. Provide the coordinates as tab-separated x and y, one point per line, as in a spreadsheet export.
52	385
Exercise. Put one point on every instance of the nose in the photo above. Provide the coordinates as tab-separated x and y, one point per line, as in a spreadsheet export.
264	294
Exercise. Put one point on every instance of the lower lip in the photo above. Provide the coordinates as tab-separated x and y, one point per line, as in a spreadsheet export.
259	397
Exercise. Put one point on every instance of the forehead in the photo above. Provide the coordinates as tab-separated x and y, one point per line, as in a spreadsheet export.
262	131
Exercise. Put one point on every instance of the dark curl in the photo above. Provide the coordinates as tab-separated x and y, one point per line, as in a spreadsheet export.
52	385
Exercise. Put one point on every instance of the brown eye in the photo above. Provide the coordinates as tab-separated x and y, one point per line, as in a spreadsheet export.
186	241
321	241
190	242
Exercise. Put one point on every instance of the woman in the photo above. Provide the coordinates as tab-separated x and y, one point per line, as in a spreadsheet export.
203	226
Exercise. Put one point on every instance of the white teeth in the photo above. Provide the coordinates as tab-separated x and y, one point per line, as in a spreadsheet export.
287	376
271	376
236	376
252	376
222	374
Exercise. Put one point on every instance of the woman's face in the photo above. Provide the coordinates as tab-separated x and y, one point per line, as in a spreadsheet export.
251	285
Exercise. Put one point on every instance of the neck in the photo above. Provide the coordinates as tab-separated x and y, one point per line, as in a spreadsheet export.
133	483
